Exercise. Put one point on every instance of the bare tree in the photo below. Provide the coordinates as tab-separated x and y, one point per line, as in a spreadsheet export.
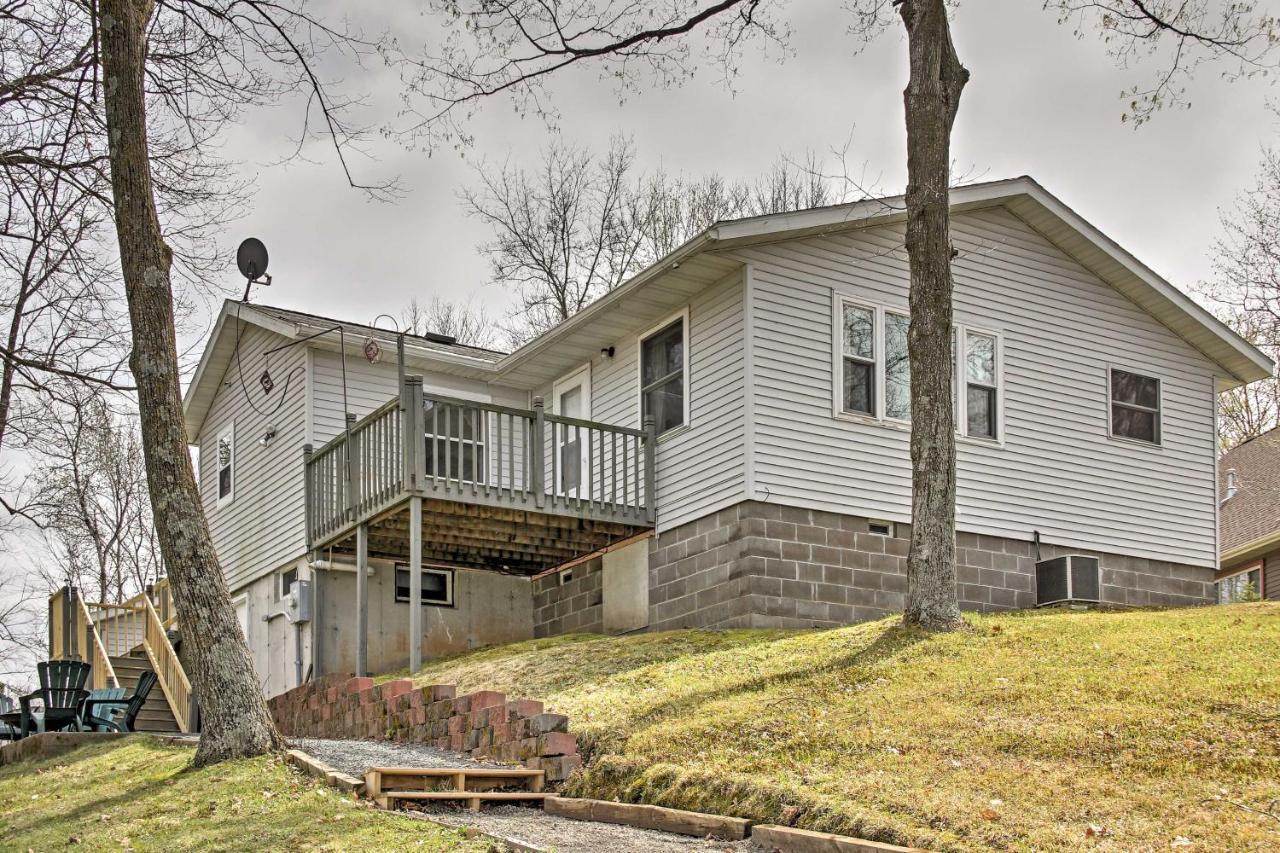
467	322
514	48
1245	291
154	82
91	498
579	225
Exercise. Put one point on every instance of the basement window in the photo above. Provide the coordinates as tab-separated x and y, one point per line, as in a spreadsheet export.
1244	584
880	528
287	580
566	577
437	586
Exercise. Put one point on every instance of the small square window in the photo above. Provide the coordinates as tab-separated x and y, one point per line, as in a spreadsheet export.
566	577
287	580
437	586
880	528
1135	406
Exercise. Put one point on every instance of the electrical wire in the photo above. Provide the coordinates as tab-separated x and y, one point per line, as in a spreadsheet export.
284	393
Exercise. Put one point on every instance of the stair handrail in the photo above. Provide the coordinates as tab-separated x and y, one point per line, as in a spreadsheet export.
101	671
168	669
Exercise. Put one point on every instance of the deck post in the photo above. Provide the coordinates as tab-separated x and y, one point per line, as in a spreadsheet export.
308	493
362	599
353	472
650	469
537	456
415	584
415	462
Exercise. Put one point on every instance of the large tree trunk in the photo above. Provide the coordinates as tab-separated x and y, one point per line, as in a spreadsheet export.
932	98
235	718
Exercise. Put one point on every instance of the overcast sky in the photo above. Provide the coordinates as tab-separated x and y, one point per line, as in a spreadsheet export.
1040	102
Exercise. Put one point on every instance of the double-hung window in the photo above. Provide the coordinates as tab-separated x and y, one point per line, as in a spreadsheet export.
226	459
897	367
873	369
1135	406
981	388
662	376
858	349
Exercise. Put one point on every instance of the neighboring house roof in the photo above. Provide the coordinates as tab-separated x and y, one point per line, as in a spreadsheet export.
651	295
1249	520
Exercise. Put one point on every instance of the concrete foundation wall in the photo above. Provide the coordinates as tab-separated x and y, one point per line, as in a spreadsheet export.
489	609
765	565
272	643
570	602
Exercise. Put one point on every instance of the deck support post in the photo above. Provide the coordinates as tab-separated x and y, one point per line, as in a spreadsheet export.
650	469
362	599
415	584
537	457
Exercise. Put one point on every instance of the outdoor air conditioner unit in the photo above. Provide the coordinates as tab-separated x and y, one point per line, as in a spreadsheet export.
1074	578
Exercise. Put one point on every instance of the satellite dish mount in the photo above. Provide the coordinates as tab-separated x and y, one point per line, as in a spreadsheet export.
251	258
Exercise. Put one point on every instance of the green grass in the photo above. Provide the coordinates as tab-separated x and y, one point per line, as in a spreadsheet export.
1046	730
140	794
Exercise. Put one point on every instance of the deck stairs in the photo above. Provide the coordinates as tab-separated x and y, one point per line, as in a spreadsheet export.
471	786
122	640
156	715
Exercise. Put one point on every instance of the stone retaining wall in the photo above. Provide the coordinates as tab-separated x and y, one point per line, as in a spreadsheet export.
481	724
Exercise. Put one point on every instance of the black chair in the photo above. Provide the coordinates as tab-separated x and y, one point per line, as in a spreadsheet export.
105	721
61	693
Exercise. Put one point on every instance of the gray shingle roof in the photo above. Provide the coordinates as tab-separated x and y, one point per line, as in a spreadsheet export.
1254	511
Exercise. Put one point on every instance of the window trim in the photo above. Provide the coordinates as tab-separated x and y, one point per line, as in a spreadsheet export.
450	584
683	315
479	443
839	299
1145	373
228	431
838	302
280	589
961	390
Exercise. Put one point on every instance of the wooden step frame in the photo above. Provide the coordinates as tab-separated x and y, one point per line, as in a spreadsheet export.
473	785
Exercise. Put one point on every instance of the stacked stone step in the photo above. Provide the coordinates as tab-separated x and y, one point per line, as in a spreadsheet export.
483	724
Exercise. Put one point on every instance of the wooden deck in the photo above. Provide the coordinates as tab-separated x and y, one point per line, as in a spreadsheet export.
515	490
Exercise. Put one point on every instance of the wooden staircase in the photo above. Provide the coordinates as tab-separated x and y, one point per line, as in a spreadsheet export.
123	640
388	786
156	715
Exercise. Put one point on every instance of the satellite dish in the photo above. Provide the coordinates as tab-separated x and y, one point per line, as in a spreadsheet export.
251	257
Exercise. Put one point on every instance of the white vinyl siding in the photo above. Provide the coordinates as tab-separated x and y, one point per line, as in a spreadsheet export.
1055	469
262	527
700	465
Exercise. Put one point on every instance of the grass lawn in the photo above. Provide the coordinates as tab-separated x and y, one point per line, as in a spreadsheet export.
139	794
1146	730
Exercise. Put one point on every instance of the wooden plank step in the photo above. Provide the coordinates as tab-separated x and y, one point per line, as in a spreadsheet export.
473	799
473	772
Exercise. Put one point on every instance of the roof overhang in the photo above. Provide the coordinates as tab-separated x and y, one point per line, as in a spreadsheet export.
654	293
646	298
1249	550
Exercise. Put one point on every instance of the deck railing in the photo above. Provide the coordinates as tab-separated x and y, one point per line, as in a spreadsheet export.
482	453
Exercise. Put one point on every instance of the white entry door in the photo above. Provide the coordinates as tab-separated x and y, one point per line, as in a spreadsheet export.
572	400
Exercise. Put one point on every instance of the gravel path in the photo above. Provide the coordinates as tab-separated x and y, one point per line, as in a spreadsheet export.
356	756
537	829
529	826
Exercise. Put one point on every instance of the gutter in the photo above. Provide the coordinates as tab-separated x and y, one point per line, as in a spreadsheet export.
1249	550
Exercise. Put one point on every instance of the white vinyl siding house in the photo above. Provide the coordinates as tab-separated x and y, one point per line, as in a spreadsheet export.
259	527
700	465
1054	466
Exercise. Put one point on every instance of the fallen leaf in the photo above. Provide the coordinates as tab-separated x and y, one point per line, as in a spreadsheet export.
1095	831
990	814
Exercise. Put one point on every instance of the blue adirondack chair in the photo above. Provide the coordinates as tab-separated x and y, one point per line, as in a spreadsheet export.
94	719
105	703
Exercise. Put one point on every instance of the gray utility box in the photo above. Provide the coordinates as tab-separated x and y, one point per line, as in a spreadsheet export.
1069	579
